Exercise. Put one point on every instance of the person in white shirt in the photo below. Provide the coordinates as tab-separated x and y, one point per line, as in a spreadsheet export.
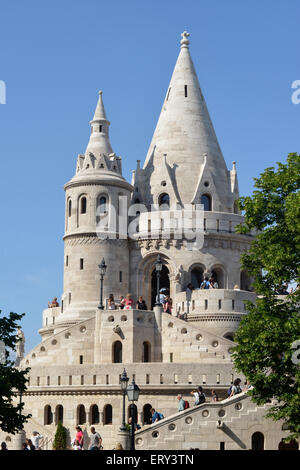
35	439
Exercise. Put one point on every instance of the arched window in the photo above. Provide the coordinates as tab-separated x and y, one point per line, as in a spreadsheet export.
164	201
245	281
70	208
81	414
83	205
135	412
48	415
206	201
196	277
59	414
101	205
94	415
218	275
117	352
147	416
146	351
107	414
257	441
235	207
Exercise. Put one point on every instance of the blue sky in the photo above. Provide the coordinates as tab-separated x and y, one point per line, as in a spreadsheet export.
55	56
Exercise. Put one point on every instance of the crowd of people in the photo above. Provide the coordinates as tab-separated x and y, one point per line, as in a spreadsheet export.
207	283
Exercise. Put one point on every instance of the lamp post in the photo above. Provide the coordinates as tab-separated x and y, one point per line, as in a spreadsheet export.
102	268
124	380
158	267
133	393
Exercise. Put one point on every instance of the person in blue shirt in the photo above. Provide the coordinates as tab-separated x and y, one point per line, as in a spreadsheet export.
181	403
155	415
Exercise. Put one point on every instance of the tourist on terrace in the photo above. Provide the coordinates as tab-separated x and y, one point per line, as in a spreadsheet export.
213	283
54	303
141	304
3	446
205	284
111	302
236	388
122	302
95	440
155	416
189	288
35	438
181	403
128	302
214	396
168	305
79	436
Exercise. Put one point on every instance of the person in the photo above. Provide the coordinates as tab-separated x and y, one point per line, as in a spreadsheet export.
128	302
162	296
213	283
122	302
79	436
24	446
214	396
196	397
76	445
155	416
168	305
54	303
35	438
248	386
236	287
30	446
189	288
181	403
3	446
236	388
202	397
141	304
118	446
136	425
95	440
205	284
111	302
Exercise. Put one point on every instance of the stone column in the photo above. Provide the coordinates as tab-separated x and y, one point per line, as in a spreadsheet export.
123	437
18	439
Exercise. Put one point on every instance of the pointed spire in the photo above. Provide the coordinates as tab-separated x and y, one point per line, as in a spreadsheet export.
99	140
185	132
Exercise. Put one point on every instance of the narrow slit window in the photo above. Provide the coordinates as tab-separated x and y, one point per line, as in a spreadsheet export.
80	359
100	128
83	205
81	263
120	276
168	94
185	91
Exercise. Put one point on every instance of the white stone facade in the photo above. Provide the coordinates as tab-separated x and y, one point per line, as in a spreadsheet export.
75	370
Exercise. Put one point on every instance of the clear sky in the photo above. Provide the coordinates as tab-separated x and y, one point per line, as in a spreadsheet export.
55	56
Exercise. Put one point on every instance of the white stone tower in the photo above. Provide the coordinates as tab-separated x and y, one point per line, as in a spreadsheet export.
96	187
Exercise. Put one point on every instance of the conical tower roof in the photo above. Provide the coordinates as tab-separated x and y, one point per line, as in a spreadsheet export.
99	142
185	133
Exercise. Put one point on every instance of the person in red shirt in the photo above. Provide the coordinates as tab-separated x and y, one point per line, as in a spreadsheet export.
79	436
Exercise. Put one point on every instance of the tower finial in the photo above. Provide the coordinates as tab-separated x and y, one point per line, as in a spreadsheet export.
184	41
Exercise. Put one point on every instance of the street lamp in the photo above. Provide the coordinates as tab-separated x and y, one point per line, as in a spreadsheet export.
133	393
124	380
158	267
102	268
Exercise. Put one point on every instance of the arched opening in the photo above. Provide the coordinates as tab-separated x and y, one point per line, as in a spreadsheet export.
235	207
94	415
206	201
59	414
107	414
164	283
245	281
292	445
147	416
101	206
196	277
164	201
146	351
135	413
257	441
81	414
217	274
117	352
70	208
83	205
48	415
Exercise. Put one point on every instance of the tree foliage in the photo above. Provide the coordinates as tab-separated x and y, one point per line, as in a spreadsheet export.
60	438
268	340
12	380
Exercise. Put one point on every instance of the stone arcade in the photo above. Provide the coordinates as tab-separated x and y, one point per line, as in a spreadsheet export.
75	370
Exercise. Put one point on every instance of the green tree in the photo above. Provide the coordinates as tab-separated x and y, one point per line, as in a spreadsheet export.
12	380
268	340
60	438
